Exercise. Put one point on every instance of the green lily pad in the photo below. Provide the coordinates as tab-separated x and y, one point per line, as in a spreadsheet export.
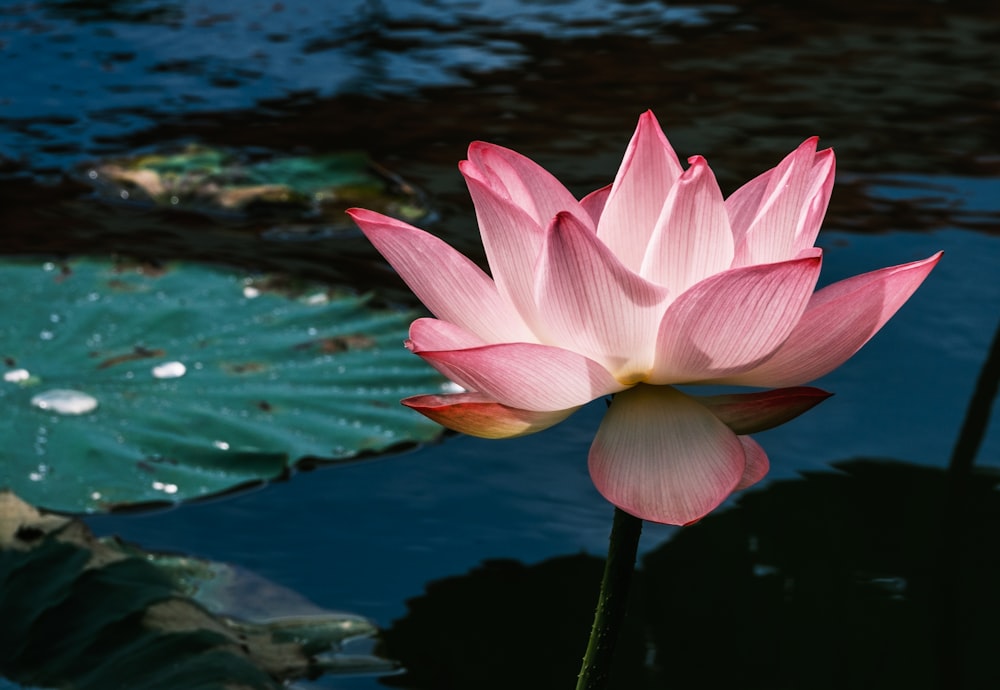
126	385
86	613
296	189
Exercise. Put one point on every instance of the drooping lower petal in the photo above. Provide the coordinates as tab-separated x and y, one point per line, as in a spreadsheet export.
732	321
662	456
748	413
527	376
839	320
757	463
647	173
450	285
593	304
477	415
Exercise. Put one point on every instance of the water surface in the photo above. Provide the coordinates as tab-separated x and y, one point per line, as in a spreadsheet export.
906	94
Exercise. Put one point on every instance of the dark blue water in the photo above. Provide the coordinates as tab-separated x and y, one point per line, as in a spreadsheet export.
906	95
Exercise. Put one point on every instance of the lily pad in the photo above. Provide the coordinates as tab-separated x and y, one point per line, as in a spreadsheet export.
129	384
86	613
296	189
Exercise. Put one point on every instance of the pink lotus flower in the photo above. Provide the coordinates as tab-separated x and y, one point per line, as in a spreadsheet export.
648	283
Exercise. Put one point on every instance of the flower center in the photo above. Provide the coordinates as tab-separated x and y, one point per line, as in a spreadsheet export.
631	378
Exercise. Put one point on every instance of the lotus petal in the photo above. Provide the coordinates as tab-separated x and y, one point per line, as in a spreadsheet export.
527	376
748	413
692	239
435	334
589	300
732	321
757	463
594	203
451	286
477	415
513	240
662	456
778	213
840	319
647	173
526	184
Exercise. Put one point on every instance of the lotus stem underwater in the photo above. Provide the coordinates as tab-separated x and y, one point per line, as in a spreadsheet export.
652	282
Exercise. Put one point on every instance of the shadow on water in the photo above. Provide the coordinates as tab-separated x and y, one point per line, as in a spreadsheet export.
822	582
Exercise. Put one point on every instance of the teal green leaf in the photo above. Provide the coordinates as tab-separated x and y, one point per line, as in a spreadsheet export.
88	614
127	384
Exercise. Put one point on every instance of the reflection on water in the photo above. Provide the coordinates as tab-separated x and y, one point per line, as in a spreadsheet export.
895	92
103	69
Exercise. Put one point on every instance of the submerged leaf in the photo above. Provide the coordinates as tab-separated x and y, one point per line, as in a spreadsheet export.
294	188
124	385
87	613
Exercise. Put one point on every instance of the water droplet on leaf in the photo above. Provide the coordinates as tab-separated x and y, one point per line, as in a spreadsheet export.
65	401
169	370
16	375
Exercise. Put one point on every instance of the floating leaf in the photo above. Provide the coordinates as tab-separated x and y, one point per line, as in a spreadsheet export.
86	613
131	384
293	188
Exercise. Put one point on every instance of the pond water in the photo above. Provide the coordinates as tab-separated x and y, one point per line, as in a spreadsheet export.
907	95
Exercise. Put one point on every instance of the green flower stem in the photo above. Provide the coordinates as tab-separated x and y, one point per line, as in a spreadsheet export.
611	603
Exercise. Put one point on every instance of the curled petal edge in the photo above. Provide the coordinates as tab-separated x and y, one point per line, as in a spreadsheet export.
757	463
477	415
428	334
524	182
